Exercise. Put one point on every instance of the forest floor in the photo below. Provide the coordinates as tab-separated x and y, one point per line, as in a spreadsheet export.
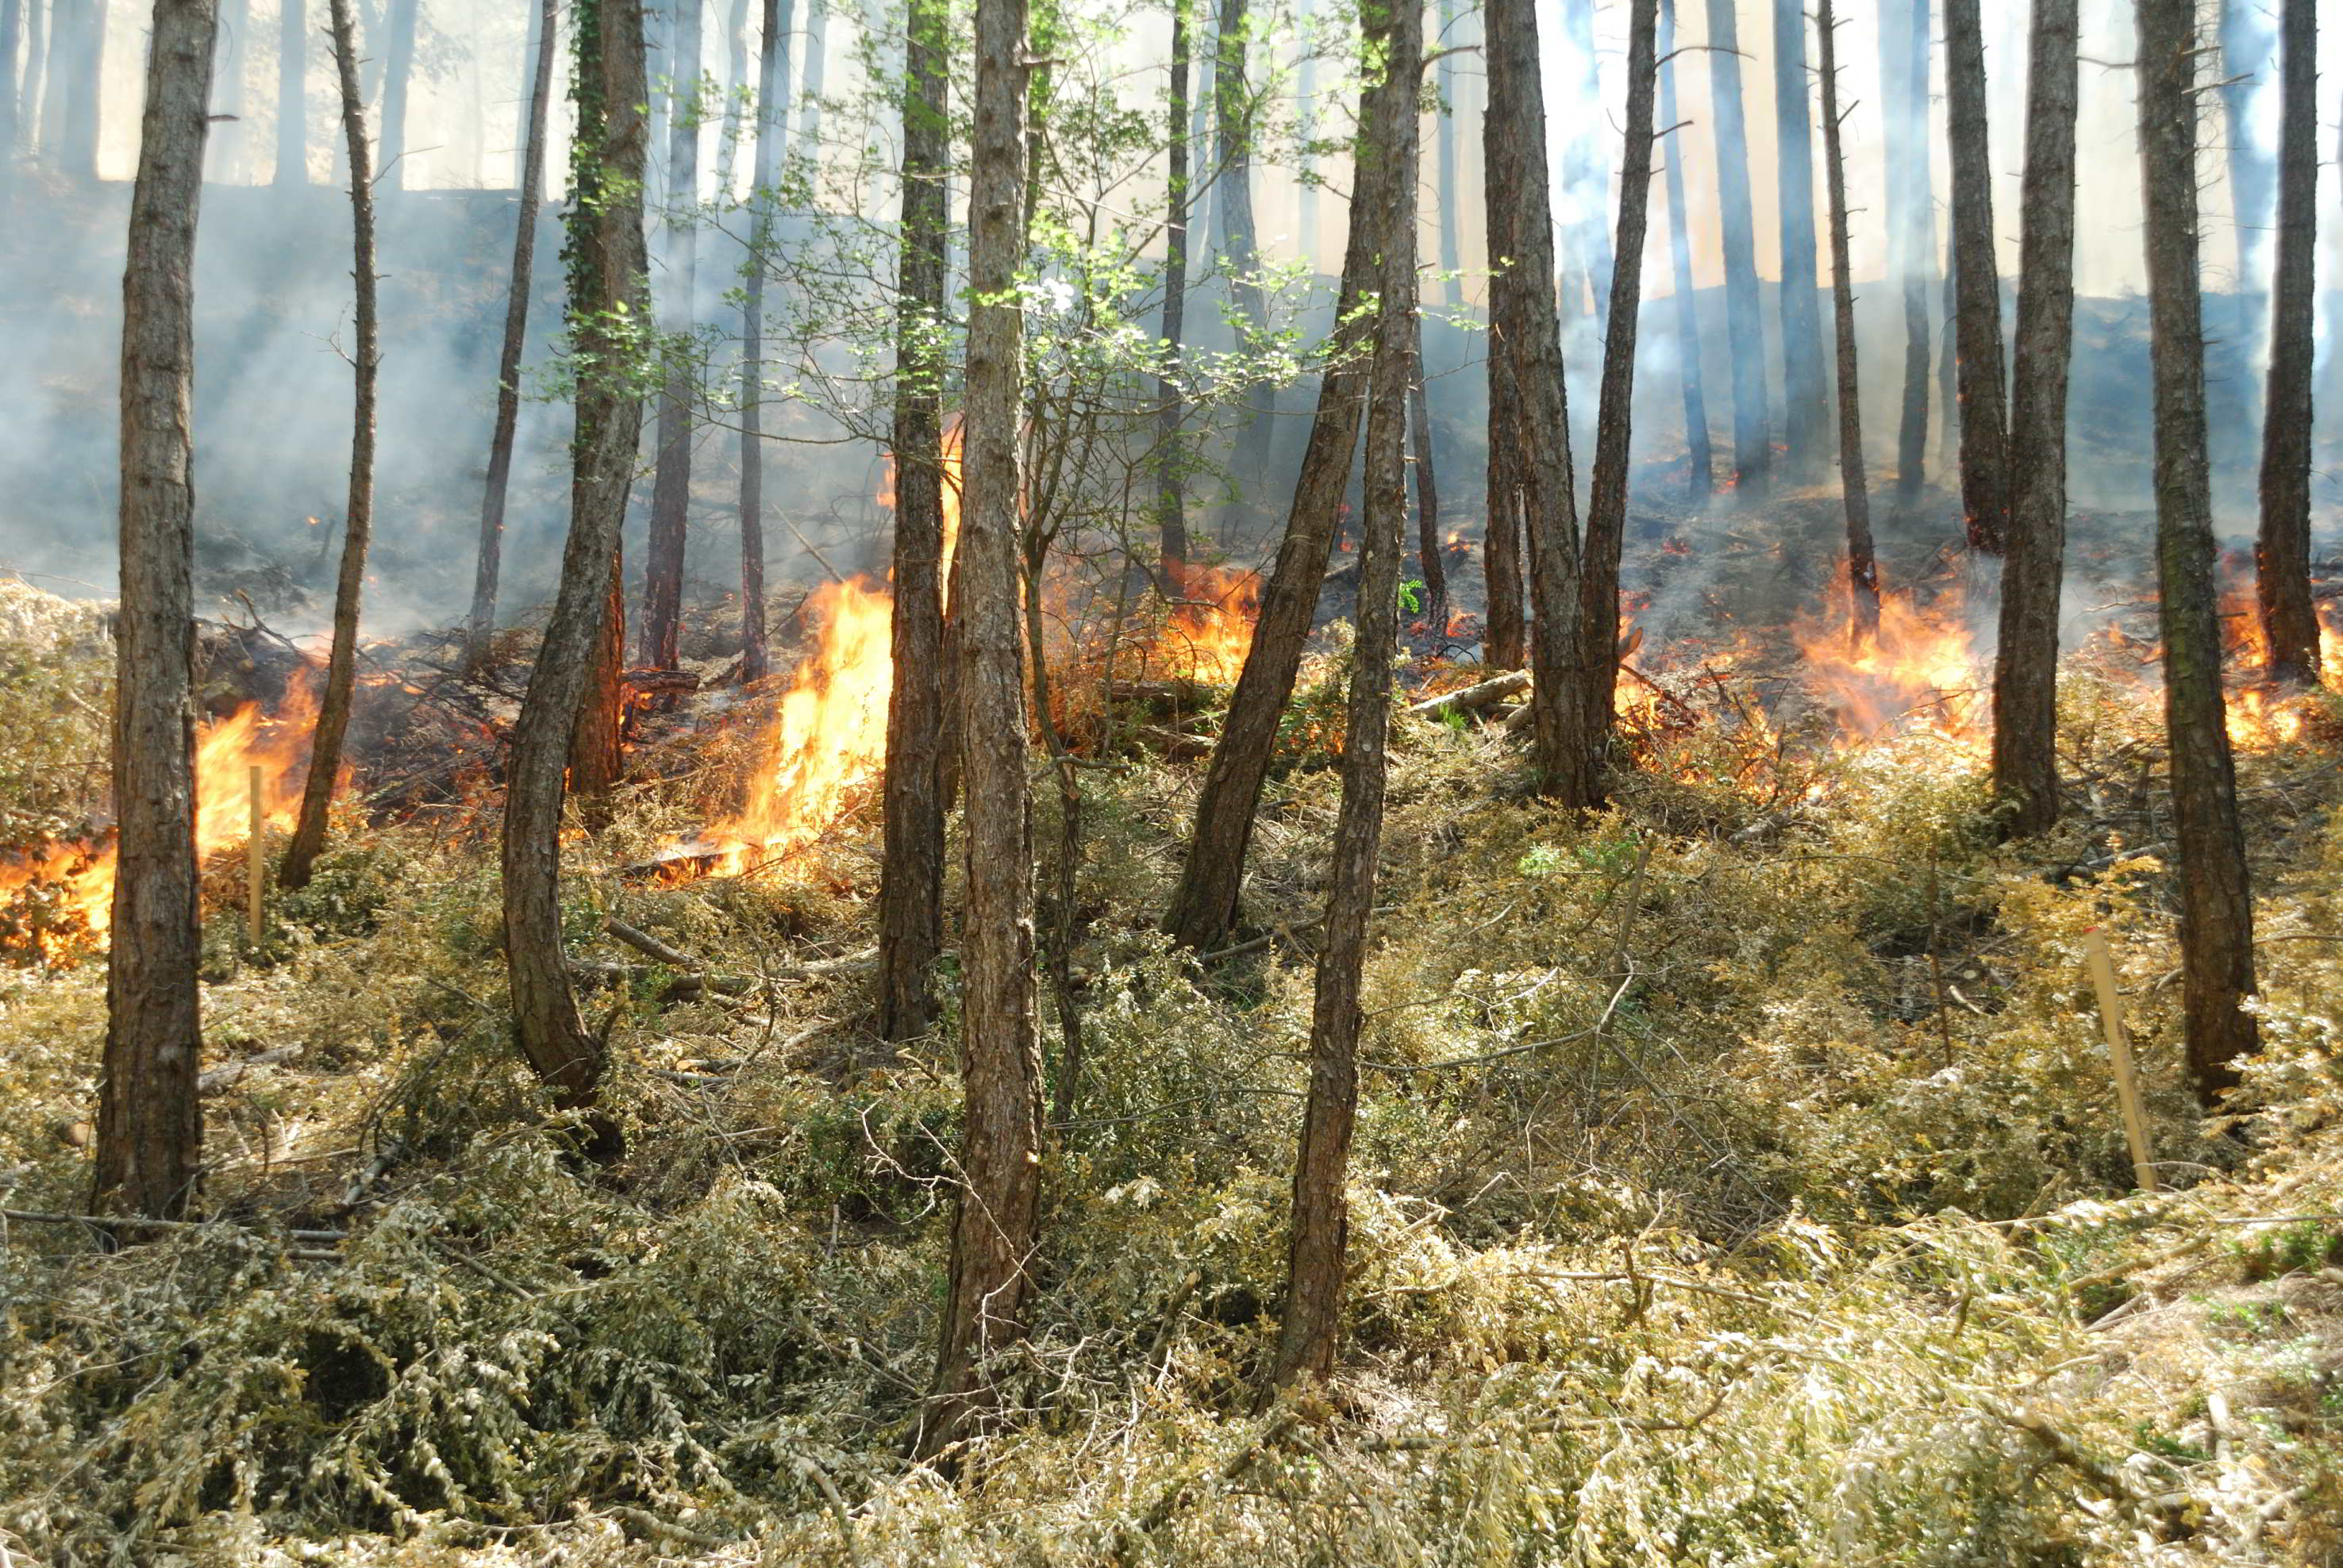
1738	1181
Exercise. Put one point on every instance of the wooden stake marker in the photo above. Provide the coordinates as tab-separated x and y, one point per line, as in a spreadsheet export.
2103	977
256	857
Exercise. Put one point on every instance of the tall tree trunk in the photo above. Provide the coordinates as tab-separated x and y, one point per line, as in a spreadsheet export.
1911	220
1700	462
1171	455
1317	1257
2025	661
997	1220
1447	188
2217	914
292	100
598	744
1606	510
1427	493
397	78
736	82
1204	905
1985	413
2249	56
1504	636
911	880
149	1121
358	527
1753	436
2282	553
1525	374
1805	397
480	625
663	556
1232	119
607	266
1855	480
772	138
1584	178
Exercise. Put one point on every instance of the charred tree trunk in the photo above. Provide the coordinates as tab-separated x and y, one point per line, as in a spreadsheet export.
772	137
1700	462
1985	413
997	1220
480	625
911	880
1505	638
1855	480
1204	905
1805	397
1318	1251
1427	495
149	1119
606	269
663	553
1911	221
1606	510
398	75
1233	122
292	94
358	527
2026	662
2282	553
1171	478
1753	436
2217	914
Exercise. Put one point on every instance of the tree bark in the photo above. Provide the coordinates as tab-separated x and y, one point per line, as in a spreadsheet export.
1911	220
1607	511
772	135
358	527
663	554
1752	437
1855	480
911	880
398	75
1204	905
1171	479
1984	415
597	750
480	625
1318	1251
149	1119
1427	493
1505	632
292	100
2025	661
1233	120
1700	462
1805	397
606	267
2217	915
995	1226
2282	552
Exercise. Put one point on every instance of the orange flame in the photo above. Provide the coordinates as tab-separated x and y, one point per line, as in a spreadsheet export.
1920	671
1210	626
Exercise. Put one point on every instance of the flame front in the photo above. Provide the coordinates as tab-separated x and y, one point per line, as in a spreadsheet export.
1209	630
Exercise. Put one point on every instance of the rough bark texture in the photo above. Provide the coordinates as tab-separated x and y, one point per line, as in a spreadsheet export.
1434	607
2026	661
1504	636
357	523
1700	462
292	99
663	551
1753	438
1984	412
1171	486
607	263
911	880
480	624
997	1214
1317	1260
1204	905
1525	376
1805	397
2282	552
2216	917
772	138
1912	221
1606	509
1855	479
149	1122
598	741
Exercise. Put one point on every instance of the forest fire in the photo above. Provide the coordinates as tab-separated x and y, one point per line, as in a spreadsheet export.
1209	630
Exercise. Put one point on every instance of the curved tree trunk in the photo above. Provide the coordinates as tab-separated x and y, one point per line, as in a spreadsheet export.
2026	661
1699	460
2282	553
358	527
1805	397
1984	416
1855	479
149	1121
1753	436
2217	914
663	553
772	135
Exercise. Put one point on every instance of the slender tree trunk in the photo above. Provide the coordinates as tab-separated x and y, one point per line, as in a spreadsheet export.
480	625
1949	359
1700	462
996	1224
2026	662
1805	397
1318	1253
607	266
292	102
149	1119
1204	905
1427	494
1171	455
1984	416
736	80
1607	511
1232	119
663	556
1447	187
2217	914
911	880
1504	636
1911	220
2249	57
772	135
2282	553
1583	176
1204	158
357	527
1854	481
398	76
597	745
1753	436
